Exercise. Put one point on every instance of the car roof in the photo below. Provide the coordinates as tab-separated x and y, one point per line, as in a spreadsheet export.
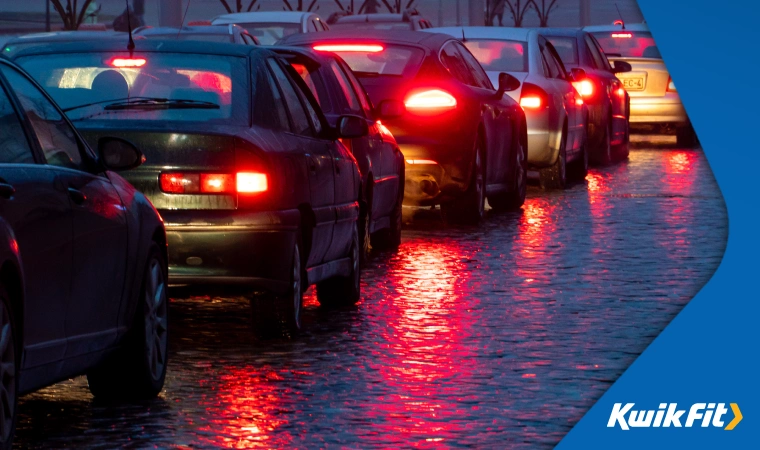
564	32
397	37
385	17
517	34
194	29
67	36
628	27
266	16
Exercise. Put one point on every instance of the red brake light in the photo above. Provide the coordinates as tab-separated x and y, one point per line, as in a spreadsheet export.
217	183
671	85
622	35
530	102
434	99
213	183
585	88
533	97
128	62
251	182
366	48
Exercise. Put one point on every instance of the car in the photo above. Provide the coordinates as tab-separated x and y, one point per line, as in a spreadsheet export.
380	160
555	111
603	94
15	45
409	20
254	188
82	259
462	139
270	27
654	97
231	33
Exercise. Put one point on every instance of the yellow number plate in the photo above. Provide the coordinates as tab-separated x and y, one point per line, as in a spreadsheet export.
633	84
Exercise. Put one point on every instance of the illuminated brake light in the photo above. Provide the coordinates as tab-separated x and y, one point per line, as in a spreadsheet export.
366	48
621	92
585	88
530	102
217	183
579	101
128	62
251	182
622	35
435	99
671	85
421	161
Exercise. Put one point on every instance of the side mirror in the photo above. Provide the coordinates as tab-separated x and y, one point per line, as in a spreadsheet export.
118	154
390	109
577	74
621	66
507	83
351	127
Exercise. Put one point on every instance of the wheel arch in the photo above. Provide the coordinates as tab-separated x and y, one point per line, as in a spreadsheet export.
11	278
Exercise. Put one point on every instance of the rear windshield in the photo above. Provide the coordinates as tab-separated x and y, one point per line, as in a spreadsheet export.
501	55
371	26
269	33
382	60
566	48
158	86
631	44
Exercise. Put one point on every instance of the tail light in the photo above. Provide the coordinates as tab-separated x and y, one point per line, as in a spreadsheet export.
433	100
214	183
671	85
584	87
533	97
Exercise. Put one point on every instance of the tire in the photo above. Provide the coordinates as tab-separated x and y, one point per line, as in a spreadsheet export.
365	214
390	239
555	176
686	137
578	169
514	199
604	154
469	209
270	313
343	291
8	371
138	368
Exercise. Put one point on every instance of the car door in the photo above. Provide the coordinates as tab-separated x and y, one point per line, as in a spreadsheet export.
319	160
37	207
98	220
567	98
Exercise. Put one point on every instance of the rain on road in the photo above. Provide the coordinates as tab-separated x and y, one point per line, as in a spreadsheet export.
494	336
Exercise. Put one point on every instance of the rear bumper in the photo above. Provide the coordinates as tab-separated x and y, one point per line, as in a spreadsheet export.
251	249
665	109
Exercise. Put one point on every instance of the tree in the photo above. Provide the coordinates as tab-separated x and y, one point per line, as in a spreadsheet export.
71	18
299	5
518	8
238	5
543	9
395	7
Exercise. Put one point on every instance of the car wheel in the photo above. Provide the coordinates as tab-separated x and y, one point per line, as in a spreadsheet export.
470	207
515	198
686	137
390	238
555	176
579	168
343	291
269	312
138	368
8	372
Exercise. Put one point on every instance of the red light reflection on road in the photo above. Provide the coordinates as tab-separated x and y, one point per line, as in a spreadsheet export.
679	174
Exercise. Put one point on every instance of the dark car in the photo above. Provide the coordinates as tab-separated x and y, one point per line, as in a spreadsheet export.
462	139
234	34
15	45
603	94
409	20
82	259
380	160
251	182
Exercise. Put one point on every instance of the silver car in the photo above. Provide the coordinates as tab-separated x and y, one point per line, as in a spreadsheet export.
271	26
557	118
654	98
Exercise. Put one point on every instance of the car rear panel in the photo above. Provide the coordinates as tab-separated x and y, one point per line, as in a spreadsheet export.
649	77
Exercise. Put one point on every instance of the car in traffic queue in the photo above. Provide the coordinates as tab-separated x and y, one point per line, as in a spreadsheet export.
82	259
16	44
380	160
462	139
654	97
234	34
271	26
253	186
410	19
554	109
603	94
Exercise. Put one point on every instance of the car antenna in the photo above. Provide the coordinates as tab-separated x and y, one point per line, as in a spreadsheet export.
182	24
622	22
131	43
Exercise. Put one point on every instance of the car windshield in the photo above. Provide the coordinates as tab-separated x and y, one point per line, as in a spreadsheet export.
371	26
269	33
377	59
500	55
628	44
146	86
566	48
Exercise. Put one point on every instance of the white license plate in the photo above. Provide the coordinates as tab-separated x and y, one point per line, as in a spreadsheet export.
633	84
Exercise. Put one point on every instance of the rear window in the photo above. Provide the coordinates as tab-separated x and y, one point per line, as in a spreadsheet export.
378	59
566	47
147	86
269	33
630	44
500	55
371	26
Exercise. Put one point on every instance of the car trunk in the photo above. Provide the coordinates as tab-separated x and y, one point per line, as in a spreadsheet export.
648	78
175	152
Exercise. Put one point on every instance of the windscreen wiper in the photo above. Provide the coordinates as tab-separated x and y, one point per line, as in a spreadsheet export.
72	108
161	103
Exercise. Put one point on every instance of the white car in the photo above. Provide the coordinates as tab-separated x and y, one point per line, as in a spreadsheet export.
270	27
554	110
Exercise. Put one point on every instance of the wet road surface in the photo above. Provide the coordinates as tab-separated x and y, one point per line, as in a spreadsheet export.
496	336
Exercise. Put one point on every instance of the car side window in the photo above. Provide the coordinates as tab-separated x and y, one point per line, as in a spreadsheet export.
56	137
557	61
359	89
14	147
598	59
550	63
354	107
589	55
269	107
481	78
301	124
600	52
453	61
313	26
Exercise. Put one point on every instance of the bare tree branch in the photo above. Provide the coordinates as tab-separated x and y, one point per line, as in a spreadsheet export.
544	10
226	6
86	5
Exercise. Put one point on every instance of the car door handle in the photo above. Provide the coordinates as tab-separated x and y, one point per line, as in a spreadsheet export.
6	190
77	196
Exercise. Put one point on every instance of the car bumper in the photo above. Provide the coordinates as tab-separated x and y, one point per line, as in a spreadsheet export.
666	109
250	249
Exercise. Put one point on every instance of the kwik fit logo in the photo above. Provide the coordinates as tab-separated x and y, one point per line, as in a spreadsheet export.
668	415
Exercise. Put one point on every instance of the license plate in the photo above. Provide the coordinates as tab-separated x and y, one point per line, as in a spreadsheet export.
633	84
